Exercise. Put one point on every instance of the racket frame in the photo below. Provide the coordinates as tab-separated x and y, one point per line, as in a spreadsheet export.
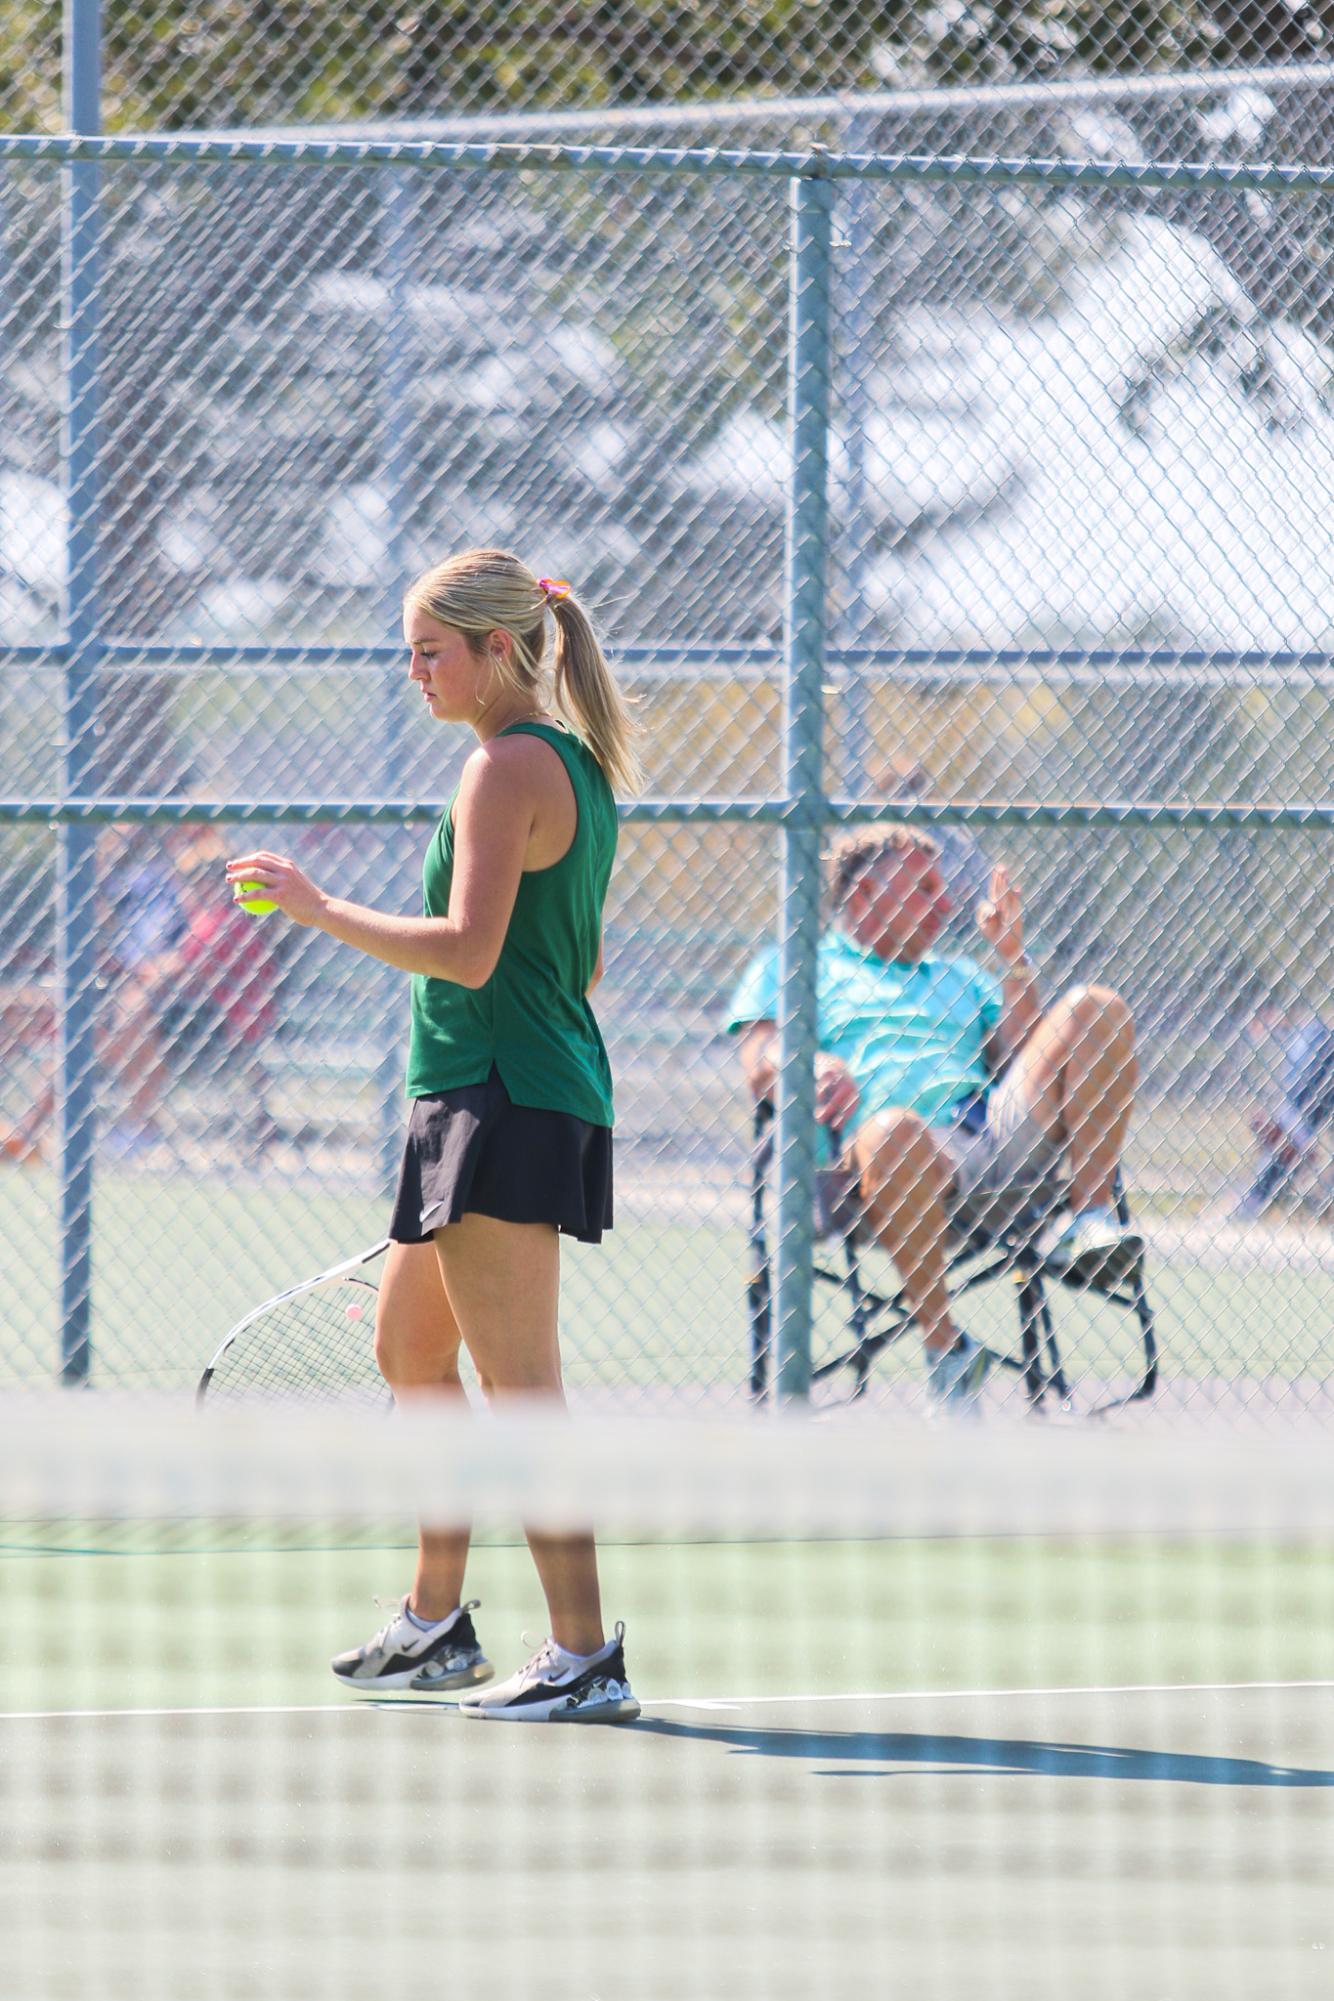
347	1269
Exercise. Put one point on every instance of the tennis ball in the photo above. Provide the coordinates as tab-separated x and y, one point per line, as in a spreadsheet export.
251	898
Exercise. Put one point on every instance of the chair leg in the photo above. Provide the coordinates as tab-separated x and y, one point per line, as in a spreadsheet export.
858	1310
1055	1371
1148	1382
759	1287
1032	1311
1139	1300
1149	1334
761	1324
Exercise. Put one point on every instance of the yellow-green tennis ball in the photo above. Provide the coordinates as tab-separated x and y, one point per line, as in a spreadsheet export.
251	897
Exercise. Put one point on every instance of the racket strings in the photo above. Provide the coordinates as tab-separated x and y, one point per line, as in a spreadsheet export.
320	1344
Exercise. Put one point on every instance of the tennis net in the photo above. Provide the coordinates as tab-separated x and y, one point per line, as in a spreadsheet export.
990	1710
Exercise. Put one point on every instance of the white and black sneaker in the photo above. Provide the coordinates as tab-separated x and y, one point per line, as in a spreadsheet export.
1093	1248
558	1687
404	1654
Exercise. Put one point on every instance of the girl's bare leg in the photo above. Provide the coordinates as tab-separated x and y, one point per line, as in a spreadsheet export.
503	1283
417	1348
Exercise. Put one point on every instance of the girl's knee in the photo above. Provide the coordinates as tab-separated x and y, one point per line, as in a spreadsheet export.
409	1357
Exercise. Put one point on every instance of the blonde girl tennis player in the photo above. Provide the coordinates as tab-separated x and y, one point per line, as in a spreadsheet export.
509	1140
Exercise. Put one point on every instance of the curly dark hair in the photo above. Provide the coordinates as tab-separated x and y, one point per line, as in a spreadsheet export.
853	853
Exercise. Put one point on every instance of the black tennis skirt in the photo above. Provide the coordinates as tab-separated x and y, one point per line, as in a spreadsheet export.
472	1151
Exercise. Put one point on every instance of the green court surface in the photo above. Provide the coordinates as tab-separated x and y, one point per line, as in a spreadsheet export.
996	1767
658	1308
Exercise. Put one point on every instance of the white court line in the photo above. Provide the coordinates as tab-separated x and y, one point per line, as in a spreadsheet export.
985	1694
241	1709
360	1705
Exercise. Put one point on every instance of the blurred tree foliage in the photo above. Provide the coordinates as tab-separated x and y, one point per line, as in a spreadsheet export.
173	64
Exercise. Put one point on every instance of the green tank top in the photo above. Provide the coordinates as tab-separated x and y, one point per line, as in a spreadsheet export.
532	1019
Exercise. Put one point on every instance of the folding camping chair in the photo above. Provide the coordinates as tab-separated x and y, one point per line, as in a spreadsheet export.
977	1258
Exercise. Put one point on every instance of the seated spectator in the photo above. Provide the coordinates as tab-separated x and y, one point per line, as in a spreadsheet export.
139	924
957	1100
140	913
1289	1132
222	983
182	968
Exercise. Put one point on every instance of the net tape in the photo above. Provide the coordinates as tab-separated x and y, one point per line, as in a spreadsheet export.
118	1458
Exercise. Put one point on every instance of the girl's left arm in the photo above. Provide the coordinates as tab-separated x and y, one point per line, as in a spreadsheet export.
493	819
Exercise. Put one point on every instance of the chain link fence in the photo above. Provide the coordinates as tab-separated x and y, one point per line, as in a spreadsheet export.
1075	595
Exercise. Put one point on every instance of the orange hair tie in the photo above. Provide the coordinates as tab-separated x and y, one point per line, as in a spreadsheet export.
553	589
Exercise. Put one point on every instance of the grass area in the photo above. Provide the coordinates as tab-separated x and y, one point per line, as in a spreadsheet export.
177	1261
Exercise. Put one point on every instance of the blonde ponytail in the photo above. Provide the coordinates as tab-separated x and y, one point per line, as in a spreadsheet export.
488	590
586	692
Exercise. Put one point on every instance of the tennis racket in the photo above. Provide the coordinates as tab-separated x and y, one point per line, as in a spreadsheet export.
314	1342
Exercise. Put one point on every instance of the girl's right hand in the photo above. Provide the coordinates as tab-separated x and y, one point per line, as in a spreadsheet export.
283	883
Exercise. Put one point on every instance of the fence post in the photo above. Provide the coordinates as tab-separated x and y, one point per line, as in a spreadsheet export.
76	876
394	384
807	548
856	313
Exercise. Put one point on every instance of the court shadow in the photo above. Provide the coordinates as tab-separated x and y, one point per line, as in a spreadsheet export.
856	1750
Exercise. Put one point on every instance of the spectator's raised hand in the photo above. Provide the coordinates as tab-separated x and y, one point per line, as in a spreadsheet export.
836	1096
1000	918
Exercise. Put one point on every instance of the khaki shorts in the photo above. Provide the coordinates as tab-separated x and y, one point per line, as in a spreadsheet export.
1005	1168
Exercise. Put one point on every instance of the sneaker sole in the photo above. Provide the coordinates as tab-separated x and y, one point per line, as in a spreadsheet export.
465	1678
1104	1269
406	1681
624	1711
